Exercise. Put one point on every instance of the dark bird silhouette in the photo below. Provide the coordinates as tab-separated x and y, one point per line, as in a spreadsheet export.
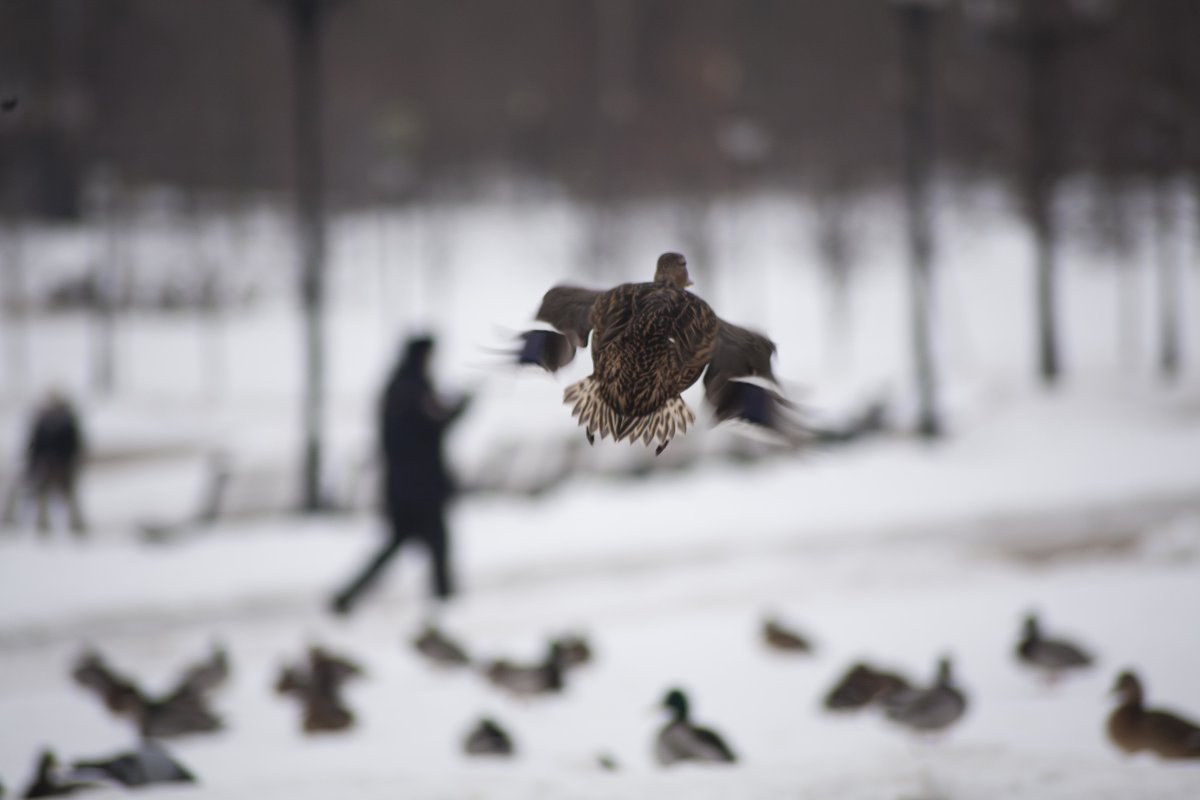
488	739
680	740
1133	728
527	680
184	710
1050	656
150	763
650	342
863	685
48	782
571	650
933	709
205	676
778	636
438	648
318	687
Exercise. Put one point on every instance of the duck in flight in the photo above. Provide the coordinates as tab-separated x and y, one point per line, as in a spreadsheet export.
650	342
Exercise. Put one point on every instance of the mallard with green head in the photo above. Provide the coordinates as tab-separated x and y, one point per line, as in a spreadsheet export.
1134	728
681	740
650	342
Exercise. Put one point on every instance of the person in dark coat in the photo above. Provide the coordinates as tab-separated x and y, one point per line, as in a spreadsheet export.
416	484
54	458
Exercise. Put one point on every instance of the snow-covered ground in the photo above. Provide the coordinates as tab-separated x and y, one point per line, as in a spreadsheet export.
1083	504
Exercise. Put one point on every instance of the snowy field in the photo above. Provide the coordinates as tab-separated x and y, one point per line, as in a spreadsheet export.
1083	504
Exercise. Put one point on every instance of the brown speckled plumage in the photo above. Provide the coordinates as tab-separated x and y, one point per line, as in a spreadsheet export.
1134	728
650	342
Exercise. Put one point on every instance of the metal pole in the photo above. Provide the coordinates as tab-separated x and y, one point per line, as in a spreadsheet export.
916	21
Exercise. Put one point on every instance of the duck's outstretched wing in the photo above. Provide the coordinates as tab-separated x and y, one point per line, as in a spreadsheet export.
568	309
737	355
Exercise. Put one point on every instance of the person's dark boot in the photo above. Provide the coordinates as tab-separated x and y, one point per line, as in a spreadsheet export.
341	605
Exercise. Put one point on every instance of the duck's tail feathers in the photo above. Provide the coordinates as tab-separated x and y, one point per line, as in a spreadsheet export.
597	416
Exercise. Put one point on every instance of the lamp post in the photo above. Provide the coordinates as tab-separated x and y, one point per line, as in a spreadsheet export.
1039	32
916	36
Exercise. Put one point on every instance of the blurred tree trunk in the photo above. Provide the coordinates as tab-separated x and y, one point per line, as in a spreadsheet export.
835	244
305	18
916	21
1168	250
1166	113
16	308
1042	52
106	284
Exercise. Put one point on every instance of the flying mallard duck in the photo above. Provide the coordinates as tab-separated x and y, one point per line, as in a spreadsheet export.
182	711
488	739
1053	657
933	709
48	780
318	686
1132	727
650	342
680	740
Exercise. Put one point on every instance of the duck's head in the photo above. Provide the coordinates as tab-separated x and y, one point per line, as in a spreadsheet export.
1030	630
47	763
676	702
1128	688
672	269
945	673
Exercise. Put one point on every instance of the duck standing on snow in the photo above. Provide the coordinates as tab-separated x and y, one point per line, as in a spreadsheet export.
778	636
148	764
1133	728
1052	657
439	648
933	709
863	685
680	740
650	342
488	739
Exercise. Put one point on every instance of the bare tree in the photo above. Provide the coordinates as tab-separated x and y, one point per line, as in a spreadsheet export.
305	18
916	19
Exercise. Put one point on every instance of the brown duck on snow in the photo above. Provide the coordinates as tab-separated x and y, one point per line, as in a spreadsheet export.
650	342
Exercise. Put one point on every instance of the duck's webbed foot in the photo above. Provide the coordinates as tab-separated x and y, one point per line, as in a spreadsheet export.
658	450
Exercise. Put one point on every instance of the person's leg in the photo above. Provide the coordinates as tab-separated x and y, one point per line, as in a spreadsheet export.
41	489
12	500
436	538
71	497
344	601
